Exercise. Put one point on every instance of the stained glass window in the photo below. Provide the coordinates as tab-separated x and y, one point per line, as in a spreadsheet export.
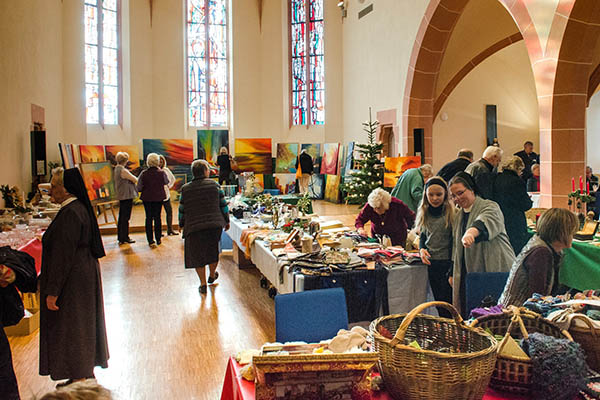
102	61
307	66
208	63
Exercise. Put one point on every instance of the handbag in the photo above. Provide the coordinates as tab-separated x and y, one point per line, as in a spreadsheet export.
11	306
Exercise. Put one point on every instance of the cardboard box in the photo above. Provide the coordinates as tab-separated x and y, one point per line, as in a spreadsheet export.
29	324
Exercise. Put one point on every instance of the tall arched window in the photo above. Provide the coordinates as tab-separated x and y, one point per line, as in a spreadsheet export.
103	89
307	67
208	63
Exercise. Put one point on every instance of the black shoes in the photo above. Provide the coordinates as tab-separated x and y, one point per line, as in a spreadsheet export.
172	233
129	240
202	289
211	280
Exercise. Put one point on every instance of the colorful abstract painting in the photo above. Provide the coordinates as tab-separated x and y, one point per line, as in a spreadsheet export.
99	182
76	153
132	151
287	154
254	155
330	158
314	150
91	153
176	151
180	180
341	165
316	186
210	143
395	166
332	188
286	183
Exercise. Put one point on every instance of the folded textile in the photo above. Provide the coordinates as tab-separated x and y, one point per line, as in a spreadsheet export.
482	311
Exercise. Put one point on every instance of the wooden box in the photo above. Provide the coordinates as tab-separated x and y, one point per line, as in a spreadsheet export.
307	376
28	325
240	258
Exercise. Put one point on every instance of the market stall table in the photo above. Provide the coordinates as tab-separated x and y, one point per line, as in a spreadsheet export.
237	388
34	249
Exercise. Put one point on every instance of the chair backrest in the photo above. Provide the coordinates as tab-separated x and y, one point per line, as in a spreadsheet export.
478	285
310	316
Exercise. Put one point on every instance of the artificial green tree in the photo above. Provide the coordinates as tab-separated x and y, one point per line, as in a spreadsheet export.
369	174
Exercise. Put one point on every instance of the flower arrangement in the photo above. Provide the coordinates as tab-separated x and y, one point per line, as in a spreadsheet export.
12	196
304	203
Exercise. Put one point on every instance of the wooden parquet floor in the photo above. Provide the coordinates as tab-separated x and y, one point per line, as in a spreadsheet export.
166	341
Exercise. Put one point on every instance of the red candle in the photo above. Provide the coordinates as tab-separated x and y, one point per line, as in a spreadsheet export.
587	189
573	184
580	184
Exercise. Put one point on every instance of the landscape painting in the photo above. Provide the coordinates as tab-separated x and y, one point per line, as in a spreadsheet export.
287	154
254	155
91	153
132	151
98	180
330	158
395	166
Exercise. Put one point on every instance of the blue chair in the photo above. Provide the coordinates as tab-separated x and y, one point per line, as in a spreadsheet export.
310	316
478	285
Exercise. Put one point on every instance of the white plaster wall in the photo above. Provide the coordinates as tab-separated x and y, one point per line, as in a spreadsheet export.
376	55
504	79
31	71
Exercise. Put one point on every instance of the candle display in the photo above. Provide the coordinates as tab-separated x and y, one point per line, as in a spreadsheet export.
572	184
580	184
587	189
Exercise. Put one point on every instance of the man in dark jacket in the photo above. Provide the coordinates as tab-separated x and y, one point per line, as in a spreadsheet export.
465	157
484	171
529	158
305	162
17	270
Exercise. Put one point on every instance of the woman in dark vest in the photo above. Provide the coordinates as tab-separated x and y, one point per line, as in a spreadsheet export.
203	214
151	184
535	269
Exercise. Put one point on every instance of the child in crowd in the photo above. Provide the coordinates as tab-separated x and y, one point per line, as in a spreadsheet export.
88	389
434	221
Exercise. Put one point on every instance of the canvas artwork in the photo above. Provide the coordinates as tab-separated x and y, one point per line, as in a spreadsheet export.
316	186
286	183
330	158
341	160
180	180
287	154
91	153
76	154
66	156
71	154
314	150
99	182
332	188
179	153
134	155
210	143
395	166
254	155
349	158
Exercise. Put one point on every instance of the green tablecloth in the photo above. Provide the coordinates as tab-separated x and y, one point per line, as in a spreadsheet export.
580	266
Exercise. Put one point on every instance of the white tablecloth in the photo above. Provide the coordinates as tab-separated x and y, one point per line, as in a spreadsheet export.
408	285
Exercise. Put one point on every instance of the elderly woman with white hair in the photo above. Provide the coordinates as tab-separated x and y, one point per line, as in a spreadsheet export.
125	183
151	183
388	216
203	214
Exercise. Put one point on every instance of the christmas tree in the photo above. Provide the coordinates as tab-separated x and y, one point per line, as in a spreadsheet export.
369	174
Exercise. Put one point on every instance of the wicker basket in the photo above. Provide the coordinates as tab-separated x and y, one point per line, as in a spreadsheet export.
589	339
513	374
410	373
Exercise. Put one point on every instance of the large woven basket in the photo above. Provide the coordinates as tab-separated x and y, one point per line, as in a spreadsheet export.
410	373
513	374
589	339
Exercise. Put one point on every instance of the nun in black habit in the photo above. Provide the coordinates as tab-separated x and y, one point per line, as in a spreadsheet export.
72	328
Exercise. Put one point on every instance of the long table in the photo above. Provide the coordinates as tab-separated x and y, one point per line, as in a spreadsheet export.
237	388
408	285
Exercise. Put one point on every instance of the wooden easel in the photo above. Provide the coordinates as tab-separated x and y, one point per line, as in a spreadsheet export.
102	208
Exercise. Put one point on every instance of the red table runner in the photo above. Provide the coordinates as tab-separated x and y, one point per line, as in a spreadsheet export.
237	388
34	249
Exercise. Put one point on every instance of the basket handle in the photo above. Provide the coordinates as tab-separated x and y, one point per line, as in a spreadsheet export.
516	318
587	322
399	337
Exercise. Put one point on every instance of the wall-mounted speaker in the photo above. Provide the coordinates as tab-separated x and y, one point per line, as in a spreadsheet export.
419	143
38	152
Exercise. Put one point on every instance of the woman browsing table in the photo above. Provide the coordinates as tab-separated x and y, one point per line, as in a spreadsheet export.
388	216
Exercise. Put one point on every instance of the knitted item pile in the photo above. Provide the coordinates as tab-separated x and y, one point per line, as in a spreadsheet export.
558	367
